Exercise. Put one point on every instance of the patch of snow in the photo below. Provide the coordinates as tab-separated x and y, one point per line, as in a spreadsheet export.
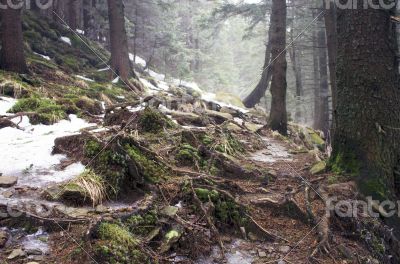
191	85
5	104
235	255
84	78
120	97
116	80
135	109
163	85
80	31
155	75
138	60
28	154
148	84
36	241
211	97
104	69
66	40
43	56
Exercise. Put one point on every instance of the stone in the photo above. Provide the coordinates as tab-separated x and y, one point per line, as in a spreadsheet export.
284	249
262	254
34	252
16	253
170	211
7	194
318	168
8	181
3	238
345	251
281	262
101	209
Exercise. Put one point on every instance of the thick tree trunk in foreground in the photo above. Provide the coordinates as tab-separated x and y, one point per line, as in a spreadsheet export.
278	113
118	39
259	92
367	138
322	102
12	50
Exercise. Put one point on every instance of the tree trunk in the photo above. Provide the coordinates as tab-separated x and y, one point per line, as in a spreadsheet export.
259	92
315	74
72	14
297	74
278	113
12	42
120	62
367	138
331	40
322	102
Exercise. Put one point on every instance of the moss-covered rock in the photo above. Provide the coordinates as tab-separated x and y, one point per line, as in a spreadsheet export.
318	168
153	121
117	245
187	155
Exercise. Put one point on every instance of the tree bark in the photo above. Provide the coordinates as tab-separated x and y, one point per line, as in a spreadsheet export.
367	138
120	62
278	113
12	51
72	14
259	92
322	100
315	74
331	40
297	74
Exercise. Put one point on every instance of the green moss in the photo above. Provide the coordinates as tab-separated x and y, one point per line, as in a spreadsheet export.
226	211
142	225
374	187
118	245
207	140
92	148
47	111
205	195
345	163
187	155
153	121
152	171
318	168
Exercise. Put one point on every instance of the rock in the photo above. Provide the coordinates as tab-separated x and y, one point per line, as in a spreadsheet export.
345	251
169	211
3	238
32	262
7	194
284	249
281	262
16	253
8	181
252	236
262	254
170	238
318	168
34	252
101	209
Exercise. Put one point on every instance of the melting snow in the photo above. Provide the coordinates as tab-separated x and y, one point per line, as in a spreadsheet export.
80	31
155	75
84	78
27	152
35	241
104	69
138	60
66	40
116	80
43	56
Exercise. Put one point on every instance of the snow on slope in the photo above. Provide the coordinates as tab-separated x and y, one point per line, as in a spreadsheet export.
27	152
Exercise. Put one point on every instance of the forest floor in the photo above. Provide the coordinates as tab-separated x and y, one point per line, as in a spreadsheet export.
174	175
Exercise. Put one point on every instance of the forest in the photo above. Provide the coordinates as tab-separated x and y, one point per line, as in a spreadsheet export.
199	131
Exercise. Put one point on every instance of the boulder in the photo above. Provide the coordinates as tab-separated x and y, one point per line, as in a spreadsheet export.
16	253
3	238
8	181
318	168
